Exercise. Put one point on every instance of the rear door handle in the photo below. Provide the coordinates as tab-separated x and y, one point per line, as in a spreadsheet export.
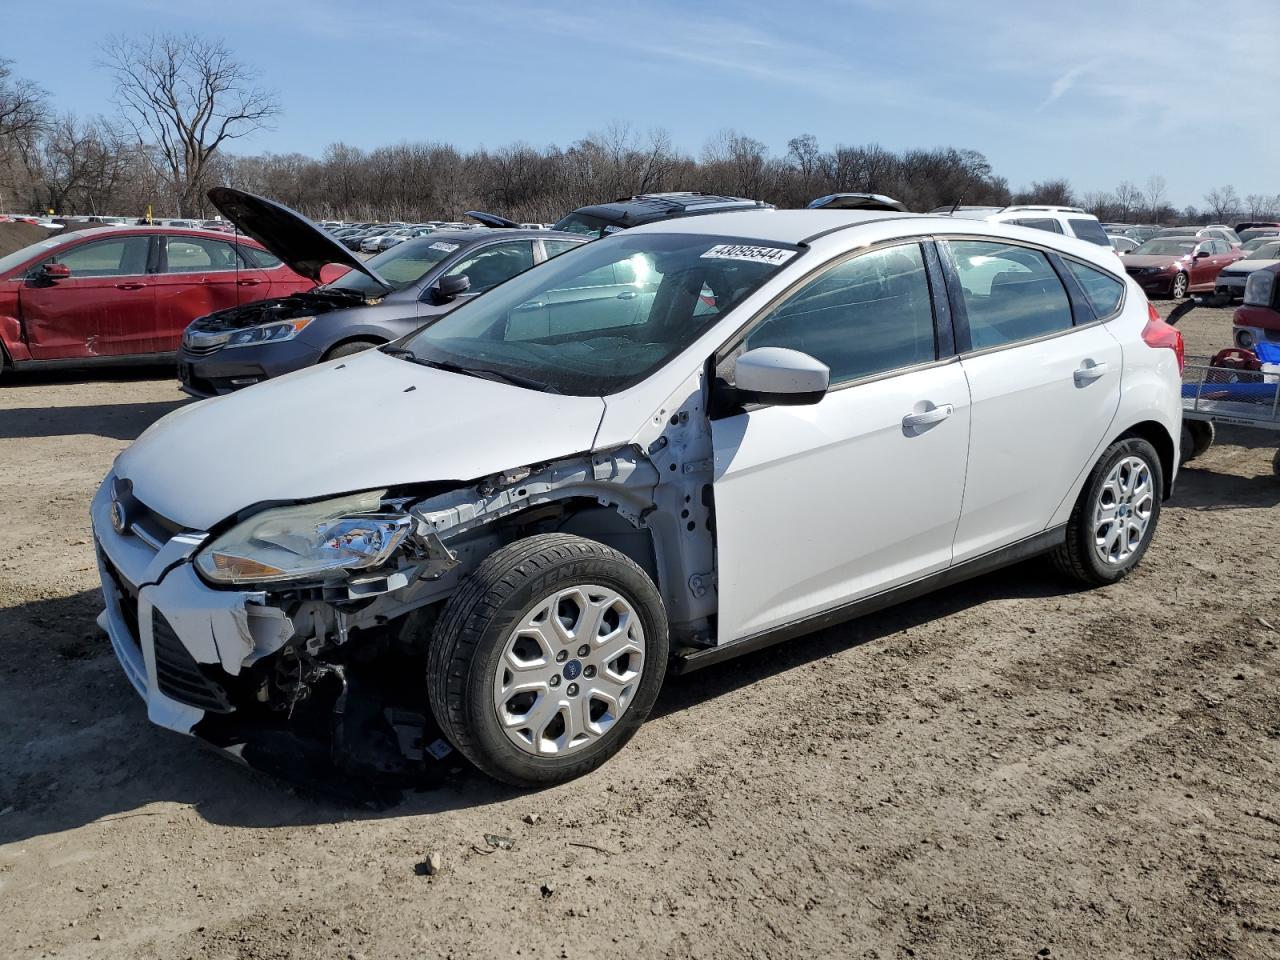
935	415
1089	371
130	286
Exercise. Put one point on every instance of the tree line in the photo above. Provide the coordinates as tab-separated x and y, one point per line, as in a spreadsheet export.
181	102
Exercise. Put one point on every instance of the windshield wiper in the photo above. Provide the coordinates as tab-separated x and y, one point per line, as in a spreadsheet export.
483	373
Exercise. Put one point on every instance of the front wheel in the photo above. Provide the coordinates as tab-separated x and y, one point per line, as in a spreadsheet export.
350	348
547	659
1178	290
1115	516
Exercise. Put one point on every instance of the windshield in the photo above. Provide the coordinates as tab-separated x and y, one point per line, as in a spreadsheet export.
1259	233
1267	251
583	224
26	253
404	264
1161	247
603	317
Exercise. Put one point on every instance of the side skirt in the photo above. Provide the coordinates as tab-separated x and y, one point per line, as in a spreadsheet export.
106	360
1031	546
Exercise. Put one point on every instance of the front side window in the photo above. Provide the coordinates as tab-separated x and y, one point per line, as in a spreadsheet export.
492	265
404	264
198	255
1103	291
119	257
1011	293
1090	230
868	315
606	316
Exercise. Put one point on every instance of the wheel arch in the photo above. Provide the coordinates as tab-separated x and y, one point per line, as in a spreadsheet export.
374	339
1156	434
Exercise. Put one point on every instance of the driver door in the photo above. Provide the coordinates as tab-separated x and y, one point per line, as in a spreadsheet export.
818	506
105	308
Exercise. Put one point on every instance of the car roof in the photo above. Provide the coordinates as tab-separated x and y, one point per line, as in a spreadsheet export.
808	226
476	234
161	230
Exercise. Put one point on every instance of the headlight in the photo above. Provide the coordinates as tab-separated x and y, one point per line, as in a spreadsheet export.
269	332
1244	338
1259	288
312	540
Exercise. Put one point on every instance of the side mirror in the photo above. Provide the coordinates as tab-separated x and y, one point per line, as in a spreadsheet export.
55	271
448	289
777	375
1201	254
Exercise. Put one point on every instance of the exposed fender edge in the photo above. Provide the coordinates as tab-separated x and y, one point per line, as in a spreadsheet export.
1031	546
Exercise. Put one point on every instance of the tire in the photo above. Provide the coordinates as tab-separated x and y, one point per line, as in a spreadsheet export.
1275	464
471	664
1178	289
1080	556
1197	438
349	348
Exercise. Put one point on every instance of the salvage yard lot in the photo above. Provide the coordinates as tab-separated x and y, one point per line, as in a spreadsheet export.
1006	767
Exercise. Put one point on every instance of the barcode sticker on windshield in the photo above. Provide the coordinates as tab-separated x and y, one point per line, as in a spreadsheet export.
612	229
742	251
446	247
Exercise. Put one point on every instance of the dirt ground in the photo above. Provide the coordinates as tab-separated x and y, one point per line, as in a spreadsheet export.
1008	768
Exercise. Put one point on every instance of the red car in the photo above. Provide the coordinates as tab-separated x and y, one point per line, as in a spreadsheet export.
1258	320
1176	266
125	294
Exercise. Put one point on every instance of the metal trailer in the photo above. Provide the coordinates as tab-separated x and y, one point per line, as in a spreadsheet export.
1214	394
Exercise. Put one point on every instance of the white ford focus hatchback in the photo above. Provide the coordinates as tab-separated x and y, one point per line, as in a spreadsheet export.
656	451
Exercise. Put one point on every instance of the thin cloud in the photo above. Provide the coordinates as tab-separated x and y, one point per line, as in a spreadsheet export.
1063	84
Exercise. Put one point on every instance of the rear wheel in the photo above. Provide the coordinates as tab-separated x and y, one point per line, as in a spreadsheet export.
349	348
1178	289
547	659
1115	517
1197	438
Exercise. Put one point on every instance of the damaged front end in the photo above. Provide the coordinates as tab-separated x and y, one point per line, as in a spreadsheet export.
295	639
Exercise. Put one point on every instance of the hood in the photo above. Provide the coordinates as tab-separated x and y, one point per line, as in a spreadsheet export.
857	201
1248	266
303	246
360	423
1151	260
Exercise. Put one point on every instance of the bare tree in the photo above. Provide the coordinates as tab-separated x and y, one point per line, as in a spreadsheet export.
1053	192
1222	201
23	106
1128	197
1154	195
1258	205
187	95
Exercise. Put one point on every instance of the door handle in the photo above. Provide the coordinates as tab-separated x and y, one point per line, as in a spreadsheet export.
248	283
926	418
130	286
627	295
528	305
1089	371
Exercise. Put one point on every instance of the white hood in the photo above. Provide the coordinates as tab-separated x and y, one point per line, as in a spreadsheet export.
1248	266
359	423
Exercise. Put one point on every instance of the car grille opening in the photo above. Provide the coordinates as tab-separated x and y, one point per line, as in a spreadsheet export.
127	595
178	675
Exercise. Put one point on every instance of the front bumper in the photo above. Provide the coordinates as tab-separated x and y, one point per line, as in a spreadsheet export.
1159	284
229	370
176	638
1230	286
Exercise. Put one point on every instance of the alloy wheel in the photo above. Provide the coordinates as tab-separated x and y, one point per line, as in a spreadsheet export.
1122	510
1179	286
569	670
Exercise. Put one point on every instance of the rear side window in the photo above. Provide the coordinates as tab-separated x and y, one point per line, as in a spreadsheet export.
1103	292
866	316
1039	223
1010	293
196	254
556	247
259	258
1090	230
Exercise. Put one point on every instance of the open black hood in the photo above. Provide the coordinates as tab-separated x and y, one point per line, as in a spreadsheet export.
288	234
857	201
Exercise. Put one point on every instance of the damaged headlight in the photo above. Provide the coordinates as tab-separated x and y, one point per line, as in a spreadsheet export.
311	540
269	332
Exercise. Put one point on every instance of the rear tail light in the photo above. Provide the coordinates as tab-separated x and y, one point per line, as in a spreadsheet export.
1157	333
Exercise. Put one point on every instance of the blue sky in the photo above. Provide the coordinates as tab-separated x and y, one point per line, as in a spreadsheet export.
1096	92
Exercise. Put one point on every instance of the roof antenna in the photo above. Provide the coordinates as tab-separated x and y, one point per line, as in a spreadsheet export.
956	206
